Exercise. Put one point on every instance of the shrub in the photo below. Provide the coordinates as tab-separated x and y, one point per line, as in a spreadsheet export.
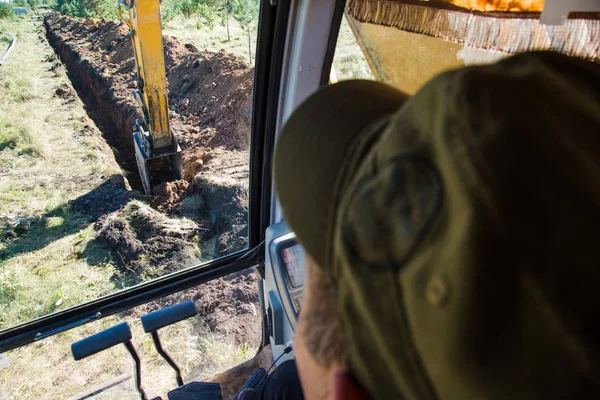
169	9
5	10
188	8
87	8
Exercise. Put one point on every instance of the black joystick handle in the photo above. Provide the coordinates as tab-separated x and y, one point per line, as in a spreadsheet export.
108	338
167	316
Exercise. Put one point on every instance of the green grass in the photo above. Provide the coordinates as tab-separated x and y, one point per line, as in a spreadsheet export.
9	286
41	154
21	138
42	167
35	281
348	60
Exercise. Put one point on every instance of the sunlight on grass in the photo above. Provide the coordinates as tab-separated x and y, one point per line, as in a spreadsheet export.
23	138
40	153
43	277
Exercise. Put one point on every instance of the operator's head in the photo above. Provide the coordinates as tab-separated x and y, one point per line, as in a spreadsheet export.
454	235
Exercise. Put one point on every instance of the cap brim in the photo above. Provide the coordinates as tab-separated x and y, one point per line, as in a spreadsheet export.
312	148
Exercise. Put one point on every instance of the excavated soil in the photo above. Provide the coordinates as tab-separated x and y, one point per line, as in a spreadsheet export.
227	307
204	215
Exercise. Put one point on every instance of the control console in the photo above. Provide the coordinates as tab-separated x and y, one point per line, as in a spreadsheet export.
285	268
291	264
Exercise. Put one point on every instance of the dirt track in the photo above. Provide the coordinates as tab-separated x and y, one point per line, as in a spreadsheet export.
203	216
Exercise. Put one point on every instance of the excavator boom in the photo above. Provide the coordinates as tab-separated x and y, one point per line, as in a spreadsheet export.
158	155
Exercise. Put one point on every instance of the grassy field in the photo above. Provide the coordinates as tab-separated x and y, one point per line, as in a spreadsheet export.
49	154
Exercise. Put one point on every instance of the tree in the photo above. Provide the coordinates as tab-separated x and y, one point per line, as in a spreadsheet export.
33	4
209	13
87	8
188	8
245	12
5	10
169	9
225	13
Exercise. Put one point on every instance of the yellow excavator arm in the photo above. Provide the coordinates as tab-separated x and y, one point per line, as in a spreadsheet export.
157	153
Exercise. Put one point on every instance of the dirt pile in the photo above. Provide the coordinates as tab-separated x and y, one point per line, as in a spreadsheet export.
147	244
212	91
233	294
65	92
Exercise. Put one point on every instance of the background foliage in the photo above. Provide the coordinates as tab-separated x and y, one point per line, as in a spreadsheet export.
5	10
207	13
87	8
6	6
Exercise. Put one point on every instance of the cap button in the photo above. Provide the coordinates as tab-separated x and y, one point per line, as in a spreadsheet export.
437	291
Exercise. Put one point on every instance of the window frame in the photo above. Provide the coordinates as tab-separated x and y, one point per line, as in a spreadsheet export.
270	41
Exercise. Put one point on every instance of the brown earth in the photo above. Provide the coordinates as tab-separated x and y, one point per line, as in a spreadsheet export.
204	215
210	98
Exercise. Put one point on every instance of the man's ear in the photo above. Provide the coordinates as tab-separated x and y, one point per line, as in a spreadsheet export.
345	387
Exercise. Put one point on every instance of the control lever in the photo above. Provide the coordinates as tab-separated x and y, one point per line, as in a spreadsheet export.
167	316
108	338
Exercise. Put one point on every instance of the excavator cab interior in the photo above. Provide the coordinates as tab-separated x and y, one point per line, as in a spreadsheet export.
405	43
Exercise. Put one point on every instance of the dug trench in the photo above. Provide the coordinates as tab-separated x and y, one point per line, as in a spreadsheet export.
198	218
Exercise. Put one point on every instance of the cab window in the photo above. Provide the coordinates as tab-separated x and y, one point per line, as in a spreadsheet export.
76	225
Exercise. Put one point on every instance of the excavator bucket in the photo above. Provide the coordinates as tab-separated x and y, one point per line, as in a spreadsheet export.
155	166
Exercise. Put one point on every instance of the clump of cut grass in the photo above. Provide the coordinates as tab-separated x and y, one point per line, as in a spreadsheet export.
4	38
8	140
146	220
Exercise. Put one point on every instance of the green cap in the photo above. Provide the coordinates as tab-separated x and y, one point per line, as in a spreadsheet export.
460	227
